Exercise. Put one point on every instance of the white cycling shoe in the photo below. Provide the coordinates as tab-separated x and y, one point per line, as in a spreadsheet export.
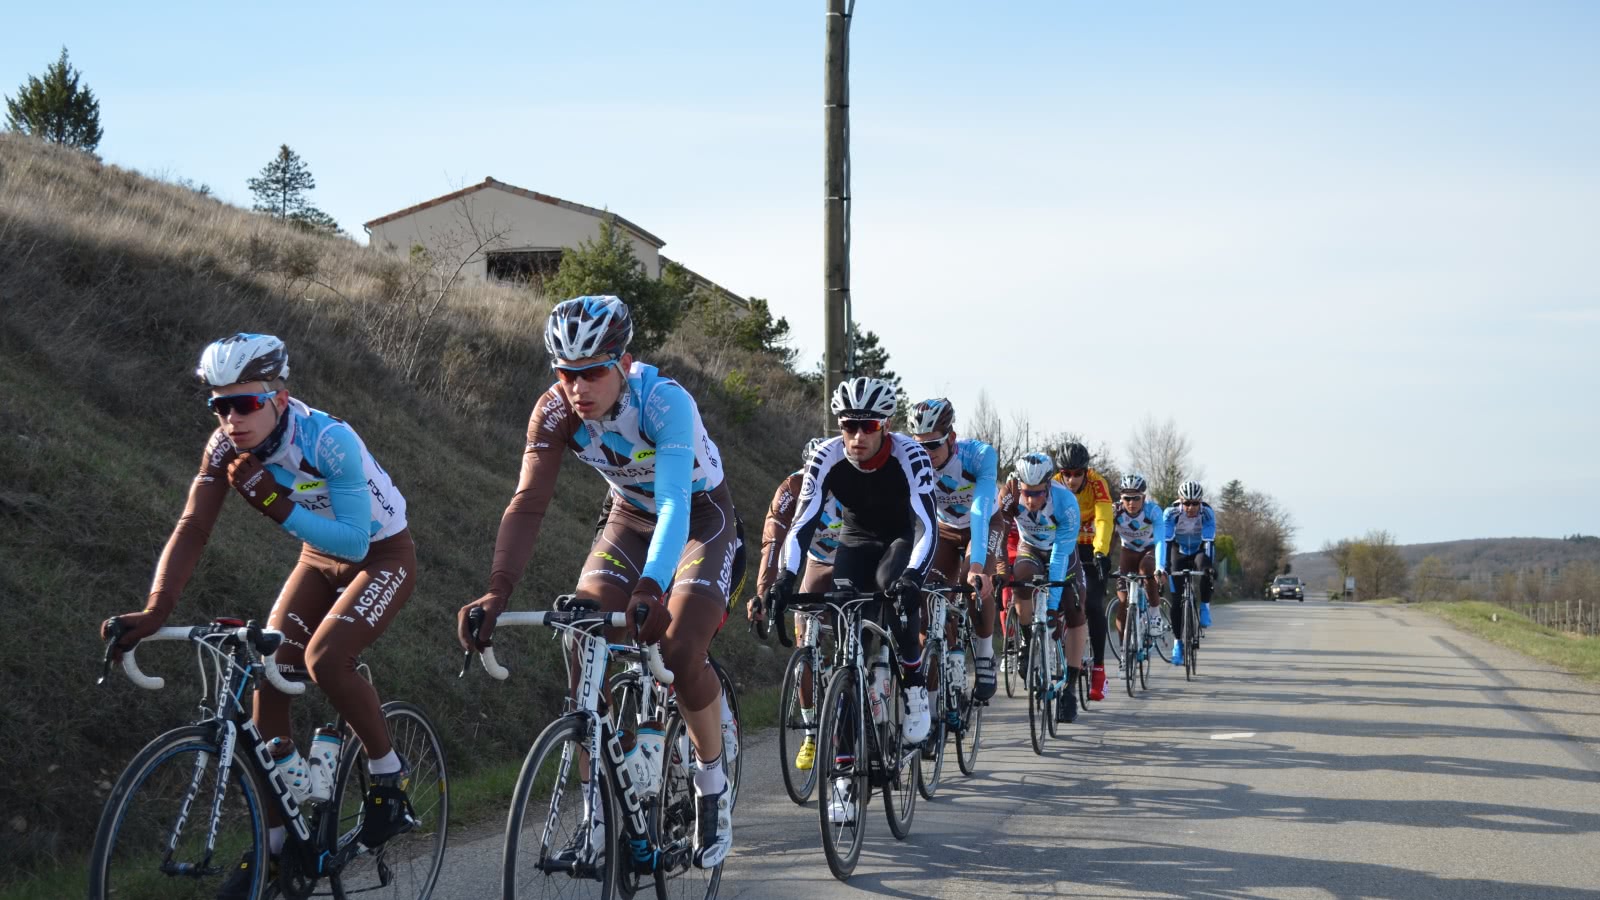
914	730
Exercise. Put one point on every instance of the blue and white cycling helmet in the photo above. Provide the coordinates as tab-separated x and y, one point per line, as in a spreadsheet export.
1035	468
1190	490
242	358
1133	483
935	416
588	326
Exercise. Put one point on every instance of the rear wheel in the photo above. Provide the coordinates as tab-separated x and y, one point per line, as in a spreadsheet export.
673	815
735	764
793	729
969	735
932	767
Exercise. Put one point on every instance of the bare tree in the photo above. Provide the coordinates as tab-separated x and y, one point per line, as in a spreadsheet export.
985	424
1379	568
1164	456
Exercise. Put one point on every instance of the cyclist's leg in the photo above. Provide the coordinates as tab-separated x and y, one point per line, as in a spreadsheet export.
1094	596
699	595
909	637
1074	615
983	623
1026	566
856	563
1128	562
946	570
816	577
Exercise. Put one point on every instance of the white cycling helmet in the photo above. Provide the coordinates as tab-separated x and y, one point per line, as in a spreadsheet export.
1190	490
588	326
1035	468
864	398
241	358
935	416
1133	483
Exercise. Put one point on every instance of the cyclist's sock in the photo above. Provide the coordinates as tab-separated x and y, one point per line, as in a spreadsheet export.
983	647
387	764
276	835
710	777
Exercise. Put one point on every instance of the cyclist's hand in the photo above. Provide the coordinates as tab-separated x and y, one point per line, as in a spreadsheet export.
649	626
905	590
755	610
985	586
135	628
492	605
1053	617
1103	564
259	488
779	595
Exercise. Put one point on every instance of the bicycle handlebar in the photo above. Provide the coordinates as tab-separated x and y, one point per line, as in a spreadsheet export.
256	637
571	618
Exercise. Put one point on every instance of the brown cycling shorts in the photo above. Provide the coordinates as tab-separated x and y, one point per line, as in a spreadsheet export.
1032	561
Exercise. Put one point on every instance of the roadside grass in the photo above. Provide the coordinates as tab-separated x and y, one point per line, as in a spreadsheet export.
1575	653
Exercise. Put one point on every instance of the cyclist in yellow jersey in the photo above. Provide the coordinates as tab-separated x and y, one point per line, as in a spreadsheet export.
1098	516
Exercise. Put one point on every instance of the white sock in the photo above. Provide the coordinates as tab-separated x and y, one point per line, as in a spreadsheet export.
387	764
276	835
710	779
983	647
727	711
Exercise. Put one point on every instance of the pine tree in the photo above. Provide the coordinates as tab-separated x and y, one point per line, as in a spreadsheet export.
281	192
56	108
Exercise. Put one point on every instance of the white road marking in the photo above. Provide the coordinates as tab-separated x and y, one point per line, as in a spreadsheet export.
1233	735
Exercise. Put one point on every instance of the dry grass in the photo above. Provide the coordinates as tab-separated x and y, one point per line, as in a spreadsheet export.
110	283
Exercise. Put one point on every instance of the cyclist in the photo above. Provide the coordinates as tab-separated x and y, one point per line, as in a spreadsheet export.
818	577
1139	524
1190	525
1045	514
311	474
884	485
666	553
1097	514
963	493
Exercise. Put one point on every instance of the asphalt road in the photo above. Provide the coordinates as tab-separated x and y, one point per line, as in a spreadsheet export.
1328	750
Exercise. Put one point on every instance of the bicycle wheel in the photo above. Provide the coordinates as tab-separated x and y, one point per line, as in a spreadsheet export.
407	865
1053	677
899	762
1010	661
734	764
792	728
548	815
970	731
842	756
1191	632
1038	692
164	798
674	815
1130	646
932	766
1085	668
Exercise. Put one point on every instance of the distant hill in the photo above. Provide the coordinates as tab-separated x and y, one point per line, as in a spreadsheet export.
1477	559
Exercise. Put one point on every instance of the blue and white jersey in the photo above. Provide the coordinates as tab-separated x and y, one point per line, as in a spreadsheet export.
964	491
825	542
343	499
1054	528
1191	533
1140	532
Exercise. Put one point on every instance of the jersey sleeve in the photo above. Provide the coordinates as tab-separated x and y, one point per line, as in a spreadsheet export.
919	483
668	421
1105	513
1208	531
780	513
983	501
1162	532
550	428
193	530
1066	545
808	511
347	534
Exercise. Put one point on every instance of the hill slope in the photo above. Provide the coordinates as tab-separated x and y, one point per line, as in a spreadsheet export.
1478	559
111	283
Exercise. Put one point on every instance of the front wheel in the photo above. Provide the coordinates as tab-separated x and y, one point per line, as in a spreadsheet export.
406	865
842	772
794	730
1038	693
549	819
1130	647
151	840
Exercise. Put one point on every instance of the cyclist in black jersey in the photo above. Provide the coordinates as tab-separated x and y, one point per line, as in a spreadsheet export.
883	483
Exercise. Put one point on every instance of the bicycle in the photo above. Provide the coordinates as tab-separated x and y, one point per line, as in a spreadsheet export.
847	749
952	710
641	699
1137	639
808	656
1047	677
1191	622
152	841
1011	661
556	838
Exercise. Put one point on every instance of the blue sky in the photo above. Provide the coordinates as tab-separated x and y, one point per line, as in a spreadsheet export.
1351	249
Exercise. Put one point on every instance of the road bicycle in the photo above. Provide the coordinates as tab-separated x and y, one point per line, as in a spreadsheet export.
807	672
1191	622
1047	677
953	713
190	810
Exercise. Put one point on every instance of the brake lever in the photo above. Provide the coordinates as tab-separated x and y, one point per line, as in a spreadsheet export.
115	630
474	622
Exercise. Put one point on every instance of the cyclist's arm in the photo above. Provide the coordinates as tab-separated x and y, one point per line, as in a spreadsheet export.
1105	514
983	502
1208	531
550	427
808	513
346	535
193	530
1162	533
1066	548
780	513
919	480
668	420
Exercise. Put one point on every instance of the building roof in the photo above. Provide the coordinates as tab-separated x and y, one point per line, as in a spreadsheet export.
487	182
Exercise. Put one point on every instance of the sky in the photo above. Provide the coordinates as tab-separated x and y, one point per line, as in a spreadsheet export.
1353	250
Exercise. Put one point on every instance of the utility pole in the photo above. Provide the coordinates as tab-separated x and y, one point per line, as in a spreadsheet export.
836	219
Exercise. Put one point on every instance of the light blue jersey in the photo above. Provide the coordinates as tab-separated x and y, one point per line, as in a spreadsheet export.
964	491
1140	532
1192	533
1055	528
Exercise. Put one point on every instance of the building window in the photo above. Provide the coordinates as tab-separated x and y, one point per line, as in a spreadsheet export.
524	266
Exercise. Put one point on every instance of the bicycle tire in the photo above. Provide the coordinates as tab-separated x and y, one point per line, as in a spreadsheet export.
1052	678
561	742
121	818
734	766
900	765
673	814
931	767
969	736
1191	630
1038	699
843	709
798	784
417	741
1130	646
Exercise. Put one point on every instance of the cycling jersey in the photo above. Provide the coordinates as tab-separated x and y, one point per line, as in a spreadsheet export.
653	450
1054	528
1095	510
964	490
891	501
780	515
1141	531
1192	533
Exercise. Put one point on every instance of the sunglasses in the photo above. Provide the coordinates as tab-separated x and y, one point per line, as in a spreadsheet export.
1074	473
591	373
1038	493
1191	503
1129	498
239	403
934	444
861	426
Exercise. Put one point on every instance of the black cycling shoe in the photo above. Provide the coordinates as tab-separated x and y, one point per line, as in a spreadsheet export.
386	812
242	880
983	686
1067	705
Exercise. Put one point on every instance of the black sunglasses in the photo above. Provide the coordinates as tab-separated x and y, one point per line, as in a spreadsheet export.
864	426
242	404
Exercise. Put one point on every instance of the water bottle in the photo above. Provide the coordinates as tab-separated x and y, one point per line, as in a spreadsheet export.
324	761
644	759
877	686
958	668
292	767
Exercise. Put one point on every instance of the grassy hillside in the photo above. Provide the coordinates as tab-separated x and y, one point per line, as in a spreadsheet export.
1478	560
110	283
